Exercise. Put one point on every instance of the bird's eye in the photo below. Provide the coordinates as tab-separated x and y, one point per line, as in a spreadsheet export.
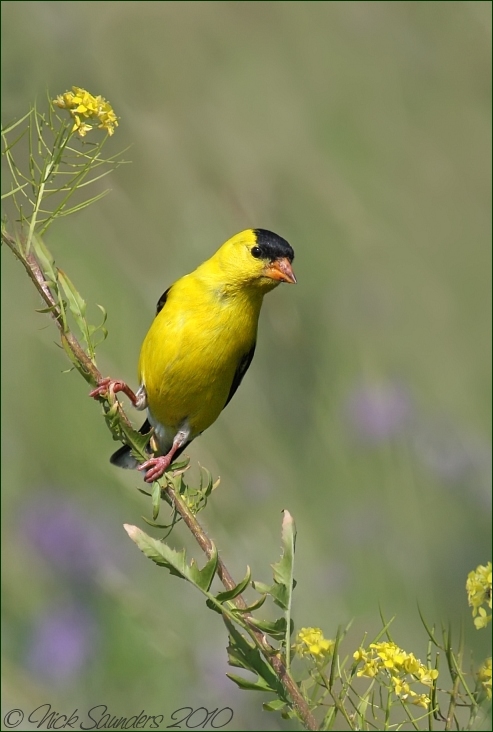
256	252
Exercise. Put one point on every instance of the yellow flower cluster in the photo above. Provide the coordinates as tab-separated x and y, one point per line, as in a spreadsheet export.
402	668
311	641
478	588
484	676
84	106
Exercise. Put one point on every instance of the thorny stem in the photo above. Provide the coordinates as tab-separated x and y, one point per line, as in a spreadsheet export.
34	271
229	583
94	375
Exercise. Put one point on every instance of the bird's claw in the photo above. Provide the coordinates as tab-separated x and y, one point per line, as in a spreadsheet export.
155	468
101	389
112	386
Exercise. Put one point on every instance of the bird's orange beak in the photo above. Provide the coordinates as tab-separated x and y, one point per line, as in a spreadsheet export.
280	270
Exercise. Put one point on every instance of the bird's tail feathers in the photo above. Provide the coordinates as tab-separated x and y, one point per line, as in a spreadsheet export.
123	458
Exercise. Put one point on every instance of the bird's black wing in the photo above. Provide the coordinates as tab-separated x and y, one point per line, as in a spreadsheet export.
162	301
240	372
123	456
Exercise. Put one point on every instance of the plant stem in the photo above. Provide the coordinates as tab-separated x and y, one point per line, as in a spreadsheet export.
94	376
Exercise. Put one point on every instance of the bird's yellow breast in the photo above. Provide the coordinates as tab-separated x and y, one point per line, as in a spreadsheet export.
193	348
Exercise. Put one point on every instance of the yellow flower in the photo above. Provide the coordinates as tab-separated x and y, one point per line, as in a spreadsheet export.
311	641
401	687
84	106
360	655
370	669
82	128
482	620
411	665
390	654
421	700
427	675
478	588
484	676
402	668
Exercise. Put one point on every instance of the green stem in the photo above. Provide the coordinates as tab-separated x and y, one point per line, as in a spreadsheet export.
37	205
50	166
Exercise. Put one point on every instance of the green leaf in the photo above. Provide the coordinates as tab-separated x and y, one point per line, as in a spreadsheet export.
284	583
237	590
208	477
180	465
175	562
160	553
231	594
137	442
253	606
145	493
76	303
114	421
156	500
45	259
213	606
154	524
202	578
289	714
77	306
245	655
211	484
49	309
175	480
274	706
261	587
279	593
259	685
283	570
105	314
95	328
276	629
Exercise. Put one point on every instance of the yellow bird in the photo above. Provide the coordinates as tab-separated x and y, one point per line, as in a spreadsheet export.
201	344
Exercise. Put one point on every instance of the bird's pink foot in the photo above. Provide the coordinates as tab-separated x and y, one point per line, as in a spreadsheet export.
155	467
107	386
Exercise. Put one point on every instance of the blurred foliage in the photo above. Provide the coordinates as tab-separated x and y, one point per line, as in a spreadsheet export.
361	133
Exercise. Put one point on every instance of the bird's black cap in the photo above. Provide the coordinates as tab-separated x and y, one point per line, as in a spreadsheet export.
273	246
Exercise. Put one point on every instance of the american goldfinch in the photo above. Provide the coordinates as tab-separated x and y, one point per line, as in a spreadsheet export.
201	344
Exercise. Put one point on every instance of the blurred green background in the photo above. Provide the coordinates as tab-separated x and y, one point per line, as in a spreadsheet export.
359	131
